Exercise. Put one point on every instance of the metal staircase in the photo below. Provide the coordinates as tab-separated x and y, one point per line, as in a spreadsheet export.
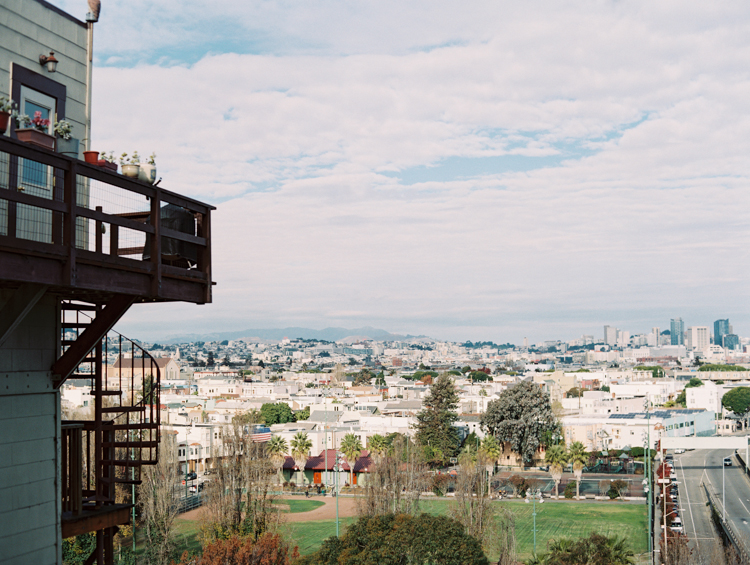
122	435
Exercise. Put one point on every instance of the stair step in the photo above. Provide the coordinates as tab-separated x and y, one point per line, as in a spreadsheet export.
141	426
106	392
119	409
121	481
75	325
134	444
127	462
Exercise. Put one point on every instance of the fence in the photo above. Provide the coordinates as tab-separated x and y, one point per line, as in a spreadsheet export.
727	530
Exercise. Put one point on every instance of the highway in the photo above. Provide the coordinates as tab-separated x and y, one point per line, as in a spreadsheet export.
703	466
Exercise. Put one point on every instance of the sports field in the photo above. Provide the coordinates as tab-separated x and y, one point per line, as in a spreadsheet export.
553	520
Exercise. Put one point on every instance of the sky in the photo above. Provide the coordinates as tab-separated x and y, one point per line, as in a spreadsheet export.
465	170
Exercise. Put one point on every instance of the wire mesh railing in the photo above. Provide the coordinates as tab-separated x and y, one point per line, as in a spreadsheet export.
91	216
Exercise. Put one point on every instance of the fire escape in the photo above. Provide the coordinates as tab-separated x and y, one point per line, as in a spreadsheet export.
98	243
111	448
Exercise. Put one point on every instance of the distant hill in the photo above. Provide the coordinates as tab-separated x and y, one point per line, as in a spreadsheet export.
327	334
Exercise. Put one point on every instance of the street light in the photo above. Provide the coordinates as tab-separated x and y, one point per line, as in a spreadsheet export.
647	481
339	466
534	496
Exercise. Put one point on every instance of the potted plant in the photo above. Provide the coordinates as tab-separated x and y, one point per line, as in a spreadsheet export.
91	157
147	172
130	165
7	110
108	161
34	131
66	143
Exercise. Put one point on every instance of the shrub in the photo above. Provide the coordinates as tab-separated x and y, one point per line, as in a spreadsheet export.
570	490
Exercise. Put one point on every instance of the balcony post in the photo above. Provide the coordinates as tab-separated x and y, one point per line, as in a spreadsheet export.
156	242
69	223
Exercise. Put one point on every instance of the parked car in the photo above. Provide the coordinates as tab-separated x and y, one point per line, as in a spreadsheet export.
191	476
207	472
727	462
679	451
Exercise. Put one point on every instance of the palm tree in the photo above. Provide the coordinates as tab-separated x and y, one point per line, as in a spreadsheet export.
556	457
276	449
301	446
378	447
351	447
577	456
490	450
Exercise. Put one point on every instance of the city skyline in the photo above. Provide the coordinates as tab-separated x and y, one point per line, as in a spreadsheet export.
485	172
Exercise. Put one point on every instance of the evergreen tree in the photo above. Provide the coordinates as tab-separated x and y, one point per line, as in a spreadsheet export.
435	430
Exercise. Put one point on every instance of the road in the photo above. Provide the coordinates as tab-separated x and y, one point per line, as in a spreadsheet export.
702	466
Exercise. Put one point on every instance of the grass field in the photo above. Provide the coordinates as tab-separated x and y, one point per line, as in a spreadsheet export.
553	520
302	505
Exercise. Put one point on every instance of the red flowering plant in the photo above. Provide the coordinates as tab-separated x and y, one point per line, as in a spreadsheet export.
39	123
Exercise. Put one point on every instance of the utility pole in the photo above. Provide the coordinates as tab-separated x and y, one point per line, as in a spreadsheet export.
649	491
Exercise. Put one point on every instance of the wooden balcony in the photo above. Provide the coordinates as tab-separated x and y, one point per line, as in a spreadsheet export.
88	233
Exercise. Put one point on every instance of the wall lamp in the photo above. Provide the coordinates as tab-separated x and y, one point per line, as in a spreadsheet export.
48	61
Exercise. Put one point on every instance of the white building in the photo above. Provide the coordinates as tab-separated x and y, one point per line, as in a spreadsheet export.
698	338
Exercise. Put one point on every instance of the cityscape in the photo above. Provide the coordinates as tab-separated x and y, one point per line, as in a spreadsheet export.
392	283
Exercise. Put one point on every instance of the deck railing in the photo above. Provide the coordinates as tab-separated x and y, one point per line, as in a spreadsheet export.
80	222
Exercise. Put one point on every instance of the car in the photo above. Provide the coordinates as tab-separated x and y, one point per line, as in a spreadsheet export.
207	472
727	462
191	476
679	451
676	528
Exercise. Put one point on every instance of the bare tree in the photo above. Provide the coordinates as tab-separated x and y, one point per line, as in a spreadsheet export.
502	540
396	482
472	506
157	502
239	499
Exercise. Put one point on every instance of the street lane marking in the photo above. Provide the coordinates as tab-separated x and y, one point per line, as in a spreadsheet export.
692	519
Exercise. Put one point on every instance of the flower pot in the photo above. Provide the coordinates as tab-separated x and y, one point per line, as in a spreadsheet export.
4	120
147	173
68	147
35	137
91	157
130	171
107	165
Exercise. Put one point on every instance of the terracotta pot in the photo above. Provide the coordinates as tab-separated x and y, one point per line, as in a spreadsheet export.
130	171
4	120
91	157
35	137
107	165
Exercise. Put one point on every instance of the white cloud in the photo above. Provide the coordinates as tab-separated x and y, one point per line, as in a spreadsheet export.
637	112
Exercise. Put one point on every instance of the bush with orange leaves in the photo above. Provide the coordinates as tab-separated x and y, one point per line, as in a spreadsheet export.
269	549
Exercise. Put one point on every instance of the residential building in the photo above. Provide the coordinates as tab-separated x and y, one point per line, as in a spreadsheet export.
610	335
69	270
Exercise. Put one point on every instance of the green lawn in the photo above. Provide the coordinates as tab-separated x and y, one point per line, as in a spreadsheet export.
553	520
302	505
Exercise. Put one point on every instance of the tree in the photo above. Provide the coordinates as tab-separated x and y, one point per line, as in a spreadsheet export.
301	446
738	401
490	451
577	456
395	539
351	446
268	549
211	361
157	496
472	505
301	415
276	413
239	499
251	416
595	549
277	449
520	416
435	421
379	446
556	457
397	479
